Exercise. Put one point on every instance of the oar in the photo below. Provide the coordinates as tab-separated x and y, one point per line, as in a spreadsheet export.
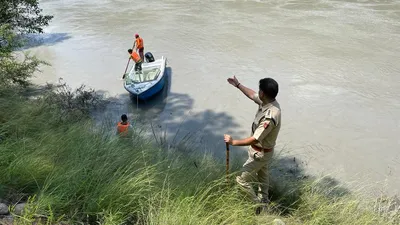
128	60
123	76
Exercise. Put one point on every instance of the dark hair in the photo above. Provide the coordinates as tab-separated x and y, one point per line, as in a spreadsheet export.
124	118
130	50
269	87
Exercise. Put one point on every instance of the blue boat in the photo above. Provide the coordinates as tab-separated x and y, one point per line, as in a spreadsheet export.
148	82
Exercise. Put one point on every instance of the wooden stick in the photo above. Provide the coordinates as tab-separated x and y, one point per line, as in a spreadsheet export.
123	76
227	162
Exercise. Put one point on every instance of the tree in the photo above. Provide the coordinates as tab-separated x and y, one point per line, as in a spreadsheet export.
18	17
24	16
13	72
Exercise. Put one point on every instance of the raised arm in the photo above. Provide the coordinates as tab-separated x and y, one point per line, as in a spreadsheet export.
245	90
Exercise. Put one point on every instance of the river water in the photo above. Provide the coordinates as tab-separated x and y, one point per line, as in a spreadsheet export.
337	64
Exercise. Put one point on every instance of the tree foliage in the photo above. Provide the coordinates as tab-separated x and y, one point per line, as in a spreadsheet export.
8	40
24	16
18	17
14	72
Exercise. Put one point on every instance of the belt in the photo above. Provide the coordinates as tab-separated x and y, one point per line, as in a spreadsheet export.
261	149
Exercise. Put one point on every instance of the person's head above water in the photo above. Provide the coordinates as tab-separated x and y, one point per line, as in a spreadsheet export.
130	51
124	118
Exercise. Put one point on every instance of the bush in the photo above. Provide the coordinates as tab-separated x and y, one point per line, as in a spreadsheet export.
71	106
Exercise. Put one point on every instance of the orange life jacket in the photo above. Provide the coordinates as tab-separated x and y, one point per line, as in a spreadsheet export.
135	57
139	42
122	128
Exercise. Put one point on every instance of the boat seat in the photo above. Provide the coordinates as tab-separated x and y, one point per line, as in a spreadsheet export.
146	75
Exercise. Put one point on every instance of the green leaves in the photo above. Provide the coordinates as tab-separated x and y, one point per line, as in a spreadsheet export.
8	40
24	16
18	17
13	72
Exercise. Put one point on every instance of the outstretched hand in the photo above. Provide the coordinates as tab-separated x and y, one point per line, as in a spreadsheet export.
233	81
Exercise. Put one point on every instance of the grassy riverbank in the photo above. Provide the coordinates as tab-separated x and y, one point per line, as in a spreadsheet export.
67	171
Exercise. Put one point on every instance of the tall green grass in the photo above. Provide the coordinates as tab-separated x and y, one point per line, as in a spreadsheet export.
68	171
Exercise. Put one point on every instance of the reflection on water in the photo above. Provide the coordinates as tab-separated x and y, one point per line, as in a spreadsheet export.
155	105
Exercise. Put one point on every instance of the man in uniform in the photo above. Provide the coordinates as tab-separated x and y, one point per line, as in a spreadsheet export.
264	132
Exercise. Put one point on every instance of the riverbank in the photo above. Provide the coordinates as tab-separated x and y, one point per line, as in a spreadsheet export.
65	171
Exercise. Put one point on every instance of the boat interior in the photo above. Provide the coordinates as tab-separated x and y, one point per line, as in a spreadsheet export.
147	74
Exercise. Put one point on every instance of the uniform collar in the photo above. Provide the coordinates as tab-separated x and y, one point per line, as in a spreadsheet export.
264	106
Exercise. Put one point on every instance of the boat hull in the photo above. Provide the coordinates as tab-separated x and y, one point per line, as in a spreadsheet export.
149	93
144	85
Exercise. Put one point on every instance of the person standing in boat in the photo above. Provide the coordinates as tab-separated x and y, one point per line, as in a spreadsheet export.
136	58
139	46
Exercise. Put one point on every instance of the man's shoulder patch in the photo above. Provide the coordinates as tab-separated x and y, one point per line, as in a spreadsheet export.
268	114
271	114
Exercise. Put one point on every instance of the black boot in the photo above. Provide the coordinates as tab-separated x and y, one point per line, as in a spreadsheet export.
264	203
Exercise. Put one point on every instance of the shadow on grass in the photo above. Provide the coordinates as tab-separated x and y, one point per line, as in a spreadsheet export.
289	181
